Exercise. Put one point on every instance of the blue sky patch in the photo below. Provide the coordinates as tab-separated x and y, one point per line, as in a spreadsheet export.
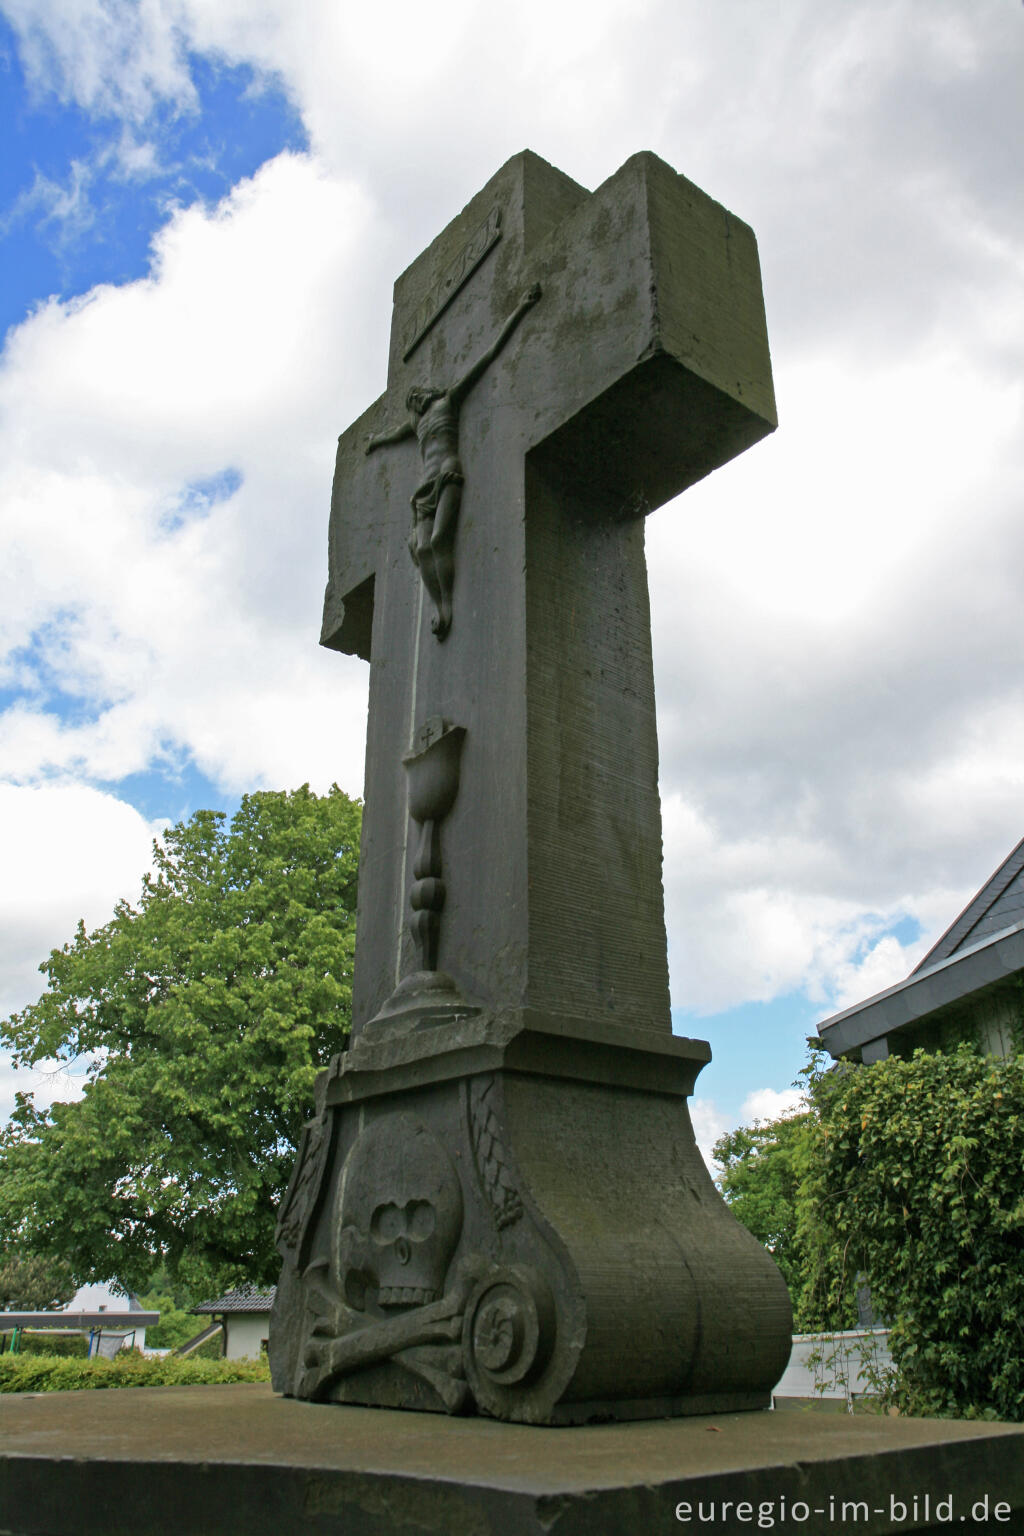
81	197
756	1045
174	790
198	498
34	675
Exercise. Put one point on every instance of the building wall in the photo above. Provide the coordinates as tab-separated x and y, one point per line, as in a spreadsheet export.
994	1021
103	1297
247	1333
832	1365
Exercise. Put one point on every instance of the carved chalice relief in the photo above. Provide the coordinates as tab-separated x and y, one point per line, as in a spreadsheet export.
433	784
428	995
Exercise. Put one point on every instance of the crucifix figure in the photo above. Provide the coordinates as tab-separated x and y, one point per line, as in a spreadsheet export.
500	1205
436	500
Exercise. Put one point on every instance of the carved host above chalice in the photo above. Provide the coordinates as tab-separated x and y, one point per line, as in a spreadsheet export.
427	995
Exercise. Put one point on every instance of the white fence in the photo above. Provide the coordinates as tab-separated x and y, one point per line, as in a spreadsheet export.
835	1366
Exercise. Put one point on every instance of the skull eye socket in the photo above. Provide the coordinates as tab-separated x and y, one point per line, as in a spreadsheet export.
421	1220
387	1224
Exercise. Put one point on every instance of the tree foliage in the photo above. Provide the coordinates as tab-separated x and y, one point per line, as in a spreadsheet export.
30	1282
915	1178
176	1326
763	1168
907	1173
204	1014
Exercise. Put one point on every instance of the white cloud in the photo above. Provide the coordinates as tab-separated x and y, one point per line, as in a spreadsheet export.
772	1104
709	1123
836	614
44	894
756	917
112	57
201	638
65	207
71	852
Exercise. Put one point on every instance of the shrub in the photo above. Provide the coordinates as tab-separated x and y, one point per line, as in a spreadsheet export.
917	1181
44	1342
48	1373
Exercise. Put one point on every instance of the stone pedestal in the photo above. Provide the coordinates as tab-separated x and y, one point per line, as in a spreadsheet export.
236	1461
508	1214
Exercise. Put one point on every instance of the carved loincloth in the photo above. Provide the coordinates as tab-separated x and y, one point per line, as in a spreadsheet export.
425	499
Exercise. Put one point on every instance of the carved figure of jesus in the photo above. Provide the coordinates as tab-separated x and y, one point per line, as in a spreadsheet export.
434	420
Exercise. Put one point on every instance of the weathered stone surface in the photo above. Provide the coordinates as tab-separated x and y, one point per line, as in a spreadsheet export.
235	1461
642	367
500	1206
588	1235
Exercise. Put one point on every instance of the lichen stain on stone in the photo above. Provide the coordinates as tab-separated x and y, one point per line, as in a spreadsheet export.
412	1507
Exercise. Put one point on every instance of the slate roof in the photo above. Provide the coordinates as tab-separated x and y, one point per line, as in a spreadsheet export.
979	953
997	906
244	1298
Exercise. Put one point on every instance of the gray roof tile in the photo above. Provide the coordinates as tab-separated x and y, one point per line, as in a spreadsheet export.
244	1298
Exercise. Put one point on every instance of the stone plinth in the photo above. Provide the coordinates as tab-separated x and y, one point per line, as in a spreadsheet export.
236	1461
506	1216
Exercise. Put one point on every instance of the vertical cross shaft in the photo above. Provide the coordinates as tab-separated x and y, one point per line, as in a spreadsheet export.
595	354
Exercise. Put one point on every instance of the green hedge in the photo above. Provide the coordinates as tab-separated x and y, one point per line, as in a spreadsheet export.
48	1373
43	1342
916	1181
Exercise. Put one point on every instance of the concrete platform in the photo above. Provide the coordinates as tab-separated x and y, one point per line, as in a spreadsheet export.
238	1461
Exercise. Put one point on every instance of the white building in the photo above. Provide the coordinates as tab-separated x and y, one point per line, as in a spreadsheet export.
102	1310
244	1314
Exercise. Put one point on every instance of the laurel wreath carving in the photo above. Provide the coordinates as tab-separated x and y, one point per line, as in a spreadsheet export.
305	1184
490	1154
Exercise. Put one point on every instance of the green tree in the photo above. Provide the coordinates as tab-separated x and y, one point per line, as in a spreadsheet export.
771	1180
761	1177
915	1179
204	1014
175	1326
30	1282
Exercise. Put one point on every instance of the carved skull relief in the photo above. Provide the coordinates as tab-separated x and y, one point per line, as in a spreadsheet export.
400	1216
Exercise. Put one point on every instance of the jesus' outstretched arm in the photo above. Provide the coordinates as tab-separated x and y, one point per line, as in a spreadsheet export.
383	439
458	391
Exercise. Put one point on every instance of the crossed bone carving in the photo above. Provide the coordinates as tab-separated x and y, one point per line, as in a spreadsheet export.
425	1341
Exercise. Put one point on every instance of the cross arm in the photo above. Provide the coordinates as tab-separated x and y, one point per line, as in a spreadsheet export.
358	535
658	369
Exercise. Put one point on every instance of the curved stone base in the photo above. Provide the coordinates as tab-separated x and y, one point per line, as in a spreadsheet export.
509	1215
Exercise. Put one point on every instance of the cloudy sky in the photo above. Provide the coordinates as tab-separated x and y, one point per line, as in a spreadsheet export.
203	205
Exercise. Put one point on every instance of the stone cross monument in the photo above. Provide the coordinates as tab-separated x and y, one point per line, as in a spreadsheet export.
499	1205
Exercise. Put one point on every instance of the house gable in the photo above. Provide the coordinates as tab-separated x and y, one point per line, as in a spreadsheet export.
997	906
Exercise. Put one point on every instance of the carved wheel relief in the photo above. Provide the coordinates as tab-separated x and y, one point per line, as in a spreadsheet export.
508	1331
